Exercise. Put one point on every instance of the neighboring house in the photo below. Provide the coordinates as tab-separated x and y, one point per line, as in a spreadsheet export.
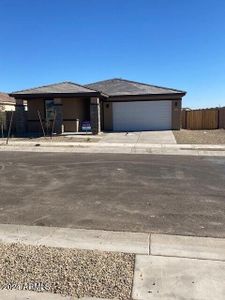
110	105
7	103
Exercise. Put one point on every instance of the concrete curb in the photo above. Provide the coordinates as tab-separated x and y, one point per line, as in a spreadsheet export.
105	144
193	150
188	247
127	242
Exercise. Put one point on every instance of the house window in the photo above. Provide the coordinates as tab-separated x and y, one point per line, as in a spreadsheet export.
49	109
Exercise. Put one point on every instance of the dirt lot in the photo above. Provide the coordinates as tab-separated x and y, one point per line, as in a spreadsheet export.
200	136
58	138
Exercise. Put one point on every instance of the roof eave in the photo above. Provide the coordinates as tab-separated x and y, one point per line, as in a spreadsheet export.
181	94
26	96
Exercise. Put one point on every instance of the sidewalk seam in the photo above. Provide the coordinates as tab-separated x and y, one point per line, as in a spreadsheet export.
149	244
188	257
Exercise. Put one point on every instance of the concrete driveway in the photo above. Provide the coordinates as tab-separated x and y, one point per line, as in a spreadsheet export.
142	137
144	193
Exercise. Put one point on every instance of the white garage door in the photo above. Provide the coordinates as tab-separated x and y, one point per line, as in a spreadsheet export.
141	115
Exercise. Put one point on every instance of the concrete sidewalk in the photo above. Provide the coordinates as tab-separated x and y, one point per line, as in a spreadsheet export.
166	267
29	295
142	137
104	147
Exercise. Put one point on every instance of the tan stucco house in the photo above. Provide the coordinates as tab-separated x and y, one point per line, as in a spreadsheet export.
7	103
109	105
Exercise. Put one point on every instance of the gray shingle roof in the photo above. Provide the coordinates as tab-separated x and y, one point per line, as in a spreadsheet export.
111	87
119	87
57	88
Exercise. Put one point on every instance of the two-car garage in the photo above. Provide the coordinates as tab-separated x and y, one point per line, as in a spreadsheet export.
135	106
141	115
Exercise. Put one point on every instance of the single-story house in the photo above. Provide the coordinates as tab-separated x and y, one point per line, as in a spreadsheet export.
7	103
109	105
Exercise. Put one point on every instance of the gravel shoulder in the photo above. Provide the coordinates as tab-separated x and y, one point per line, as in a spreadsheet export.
68	272
215	137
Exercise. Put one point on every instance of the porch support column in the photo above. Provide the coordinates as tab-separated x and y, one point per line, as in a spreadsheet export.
95	115
20	117
59	115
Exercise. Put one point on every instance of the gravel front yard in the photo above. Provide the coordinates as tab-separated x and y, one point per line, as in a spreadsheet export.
71	272
200	136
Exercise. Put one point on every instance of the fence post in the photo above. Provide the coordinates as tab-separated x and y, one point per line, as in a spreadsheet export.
186	117
218	118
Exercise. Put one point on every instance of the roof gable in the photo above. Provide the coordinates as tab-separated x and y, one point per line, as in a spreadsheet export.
123	87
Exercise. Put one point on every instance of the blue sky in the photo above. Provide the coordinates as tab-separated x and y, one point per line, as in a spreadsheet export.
174	43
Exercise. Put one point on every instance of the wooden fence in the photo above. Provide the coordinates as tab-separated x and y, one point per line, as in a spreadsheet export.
213	118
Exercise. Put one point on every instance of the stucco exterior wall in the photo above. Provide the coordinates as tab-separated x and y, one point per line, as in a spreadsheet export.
108	116
7	107
75	108
95	115
176	114
79	108
33	106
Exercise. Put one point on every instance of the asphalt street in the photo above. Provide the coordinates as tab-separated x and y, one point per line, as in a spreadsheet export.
144	193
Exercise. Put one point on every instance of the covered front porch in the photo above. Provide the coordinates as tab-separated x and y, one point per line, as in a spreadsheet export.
65	107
